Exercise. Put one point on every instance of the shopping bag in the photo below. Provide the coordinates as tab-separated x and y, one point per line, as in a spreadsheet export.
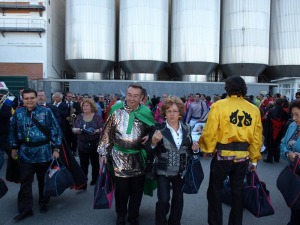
256	197
194	176
3	188
13	170
104	189
288	183
57	179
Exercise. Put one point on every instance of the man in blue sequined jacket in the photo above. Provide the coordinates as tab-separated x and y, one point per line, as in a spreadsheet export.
34	148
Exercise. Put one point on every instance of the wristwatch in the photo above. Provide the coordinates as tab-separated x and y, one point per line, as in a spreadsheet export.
56	150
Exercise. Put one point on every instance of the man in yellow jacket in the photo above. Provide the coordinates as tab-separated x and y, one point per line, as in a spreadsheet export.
233	132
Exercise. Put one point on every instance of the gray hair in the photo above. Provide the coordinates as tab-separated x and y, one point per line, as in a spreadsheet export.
58	94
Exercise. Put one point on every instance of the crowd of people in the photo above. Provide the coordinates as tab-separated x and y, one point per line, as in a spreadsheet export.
127	130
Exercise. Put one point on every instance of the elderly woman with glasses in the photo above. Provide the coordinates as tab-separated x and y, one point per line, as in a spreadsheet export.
171	142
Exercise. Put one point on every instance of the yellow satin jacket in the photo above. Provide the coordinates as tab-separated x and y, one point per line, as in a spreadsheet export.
233	120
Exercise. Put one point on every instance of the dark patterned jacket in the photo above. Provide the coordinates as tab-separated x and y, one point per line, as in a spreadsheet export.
169	160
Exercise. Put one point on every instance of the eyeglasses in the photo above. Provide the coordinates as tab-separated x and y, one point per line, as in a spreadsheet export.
297	96
172	112
31	98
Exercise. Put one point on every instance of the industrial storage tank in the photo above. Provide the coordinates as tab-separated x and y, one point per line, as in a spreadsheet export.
245	37
285	39
195	38
143	37
90	37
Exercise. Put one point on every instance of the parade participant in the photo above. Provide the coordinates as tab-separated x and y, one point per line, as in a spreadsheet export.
197	111
157	115
233	132
5	114
36	149
273	127
290	148
123	137
88	126
172	143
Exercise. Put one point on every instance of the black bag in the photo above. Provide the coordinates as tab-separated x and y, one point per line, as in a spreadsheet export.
3	188
13	170
288	183
57	179
256	197
104	189
226	192
194	176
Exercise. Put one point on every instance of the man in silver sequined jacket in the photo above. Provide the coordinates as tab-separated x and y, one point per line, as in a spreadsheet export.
122	140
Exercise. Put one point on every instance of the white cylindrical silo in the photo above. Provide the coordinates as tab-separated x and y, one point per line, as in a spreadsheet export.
90	37
195	38
245	37
285	39
143	39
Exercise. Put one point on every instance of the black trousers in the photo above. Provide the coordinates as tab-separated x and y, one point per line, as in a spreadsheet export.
71	138
274	150
128	196
295	217
218	172
163	194
25	199
85	159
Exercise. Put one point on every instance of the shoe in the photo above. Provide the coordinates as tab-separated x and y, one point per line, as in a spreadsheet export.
43	209
93	182
120	220
268	161
23	216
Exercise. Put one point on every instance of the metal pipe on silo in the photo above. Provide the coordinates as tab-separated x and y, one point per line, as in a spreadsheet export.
285	39
90	37
245	37
143	39
195	38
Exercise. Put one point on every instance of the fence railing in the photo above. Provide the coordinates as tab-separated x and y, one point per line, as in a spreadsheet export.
22	23
21	2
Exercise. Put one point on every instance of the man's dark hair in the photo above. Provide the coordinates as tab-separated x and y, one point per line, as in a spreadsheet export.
134	85
235	85
117	96
27	91
96	99
297	93
279	102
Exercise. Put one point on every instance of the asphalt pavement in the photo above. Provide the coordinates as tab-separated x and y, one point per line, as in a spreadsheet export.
76	207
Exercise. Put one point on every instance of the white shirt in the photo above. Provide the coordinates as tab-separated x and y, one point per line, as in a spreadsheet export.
177	135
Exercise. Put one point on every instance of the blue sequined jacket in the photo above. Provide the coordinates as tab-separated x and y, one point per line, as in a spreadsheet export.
23	130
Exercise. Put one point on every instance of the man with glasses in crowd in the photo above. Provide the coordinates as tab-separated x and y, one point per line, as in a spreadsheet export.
125	132
34	149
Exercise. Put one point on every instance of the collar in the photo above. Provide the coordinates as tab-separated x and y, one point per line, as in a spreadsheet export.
171	128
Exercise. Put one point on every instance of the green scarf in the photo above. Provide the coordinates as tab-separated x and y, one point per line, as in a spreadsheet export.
142	113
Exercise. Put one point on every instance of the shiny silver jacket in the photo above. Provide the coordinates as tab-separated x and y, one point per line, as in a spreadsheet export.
114	133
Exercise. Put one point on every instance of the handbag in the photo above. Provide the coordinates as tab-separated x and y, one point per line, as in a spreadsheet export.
13	170
256	197
194	176
104	189
3	188
57	179
288	183
226	192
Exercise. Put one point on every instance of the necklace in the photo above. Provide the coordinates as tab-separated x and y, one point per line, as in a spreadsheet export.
27	125
88	118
